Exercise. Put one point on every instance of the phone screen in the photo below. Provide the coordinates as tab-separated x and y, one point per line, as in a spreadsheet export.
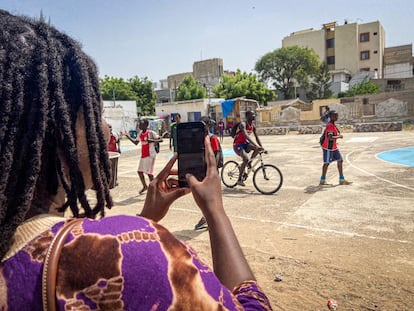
190	149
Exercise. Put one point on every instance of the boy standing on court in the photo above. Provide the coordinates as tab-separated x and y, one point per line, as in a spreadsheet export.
148	153
330	150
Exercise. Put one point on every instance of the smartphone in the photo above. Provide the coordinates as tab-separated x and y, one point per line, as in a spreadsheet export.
190	149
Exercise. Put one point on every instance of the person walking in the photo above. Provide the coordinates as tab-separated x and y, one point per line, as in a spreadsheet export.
243	143
330	150
221	126
114	145
173	136
148	152
325	115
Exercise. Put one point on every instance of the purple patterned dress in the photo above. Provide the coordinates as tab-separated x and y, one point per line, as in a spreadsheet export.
120	263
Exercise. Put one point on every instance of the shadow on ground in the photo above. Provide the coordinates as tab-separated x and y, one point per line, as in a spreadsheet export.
186	235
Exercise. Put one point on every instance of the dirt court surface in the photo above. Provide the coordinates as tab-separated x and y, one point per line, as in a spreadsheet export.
354	244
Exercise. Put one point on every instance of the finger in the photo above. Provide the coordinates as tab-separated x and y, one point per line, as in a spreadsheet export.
176	193
172	183
163	174
191	180
173	171
209	156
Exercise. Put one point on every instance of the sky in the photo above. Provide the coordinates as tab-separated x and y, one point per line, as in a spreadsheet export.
157	38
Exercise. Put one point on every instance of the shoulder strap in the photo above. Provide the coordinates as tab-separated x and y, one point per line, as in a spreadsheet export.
153	135
50	265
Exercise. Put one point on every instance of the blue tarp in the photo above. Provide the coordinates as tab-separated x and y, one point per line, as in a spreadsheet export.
227	106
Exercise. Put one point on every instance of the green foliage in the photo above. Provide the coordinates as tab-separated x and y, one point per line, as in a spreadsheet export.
135	88
189	88
286	67
320	83
145	95
365	87
116	89
243	84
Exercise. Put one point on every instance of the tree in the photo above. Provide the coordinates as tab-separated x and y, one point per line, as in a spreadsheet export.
116	89
320	83
243	84
287	68
144	93
189	88
365	87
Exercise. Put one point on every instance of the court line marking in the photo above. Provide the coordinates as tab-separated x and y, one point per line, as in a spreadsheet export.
372	174
300	226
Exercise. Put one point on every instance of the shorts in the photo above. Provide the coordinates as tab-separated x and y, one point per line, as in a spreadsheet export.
331	156
238	148
146	165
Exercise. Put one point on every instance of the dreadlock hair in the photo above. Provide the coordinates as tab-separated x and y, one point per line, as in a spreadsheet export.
45	81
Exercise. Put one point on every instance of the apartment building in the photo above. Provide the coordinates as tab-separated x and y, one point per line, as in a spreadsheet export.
347	49
207	72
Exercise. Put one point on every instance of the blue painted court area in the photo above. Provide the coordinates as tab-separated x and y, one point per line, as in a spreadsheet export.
228	152
127	148
404	156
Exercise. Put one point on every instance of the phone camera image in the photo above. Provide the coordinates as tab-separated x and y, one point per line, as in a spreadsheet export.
190	149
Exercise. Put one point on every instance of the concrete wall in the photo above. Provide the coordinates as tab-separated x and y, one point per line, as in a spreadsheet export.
121	114
185	108
404	70
314	39
175	80
383	107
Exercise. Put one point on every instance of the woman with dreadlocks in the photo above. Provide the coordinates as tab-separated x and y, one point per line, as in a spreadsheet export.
53	147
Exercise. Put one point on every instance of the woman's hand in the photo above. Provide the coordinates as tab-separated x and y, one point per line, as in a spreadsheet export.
162	192
207	193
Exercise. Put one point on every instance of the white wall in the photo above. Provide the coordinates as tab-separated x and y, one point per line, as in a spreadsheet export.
121	114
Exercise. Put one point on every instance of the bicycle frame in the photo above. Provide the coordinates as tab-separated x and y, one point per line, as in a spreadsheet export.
255	161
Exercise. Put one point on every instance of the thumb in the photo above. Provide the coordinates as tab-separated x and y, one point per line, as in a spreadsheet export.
178	193
191	179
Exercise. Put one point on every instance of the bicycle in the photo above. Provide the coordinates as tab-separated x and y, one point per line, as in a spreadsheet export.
267	178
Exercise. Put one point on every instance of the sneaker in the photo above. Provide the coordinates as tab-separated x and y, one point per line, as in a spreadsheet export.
202	224
241	183
344	182
322	182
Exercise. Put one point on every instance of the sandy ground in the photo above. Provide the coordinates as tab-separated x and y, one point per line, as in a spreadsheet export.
351	243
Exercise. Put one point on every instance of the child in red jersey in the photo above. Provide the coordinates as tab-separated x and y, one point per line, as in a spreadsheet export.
148	153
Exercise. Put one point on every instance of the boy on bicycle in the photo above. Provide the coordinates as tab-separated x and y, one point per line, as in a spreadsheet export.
243	143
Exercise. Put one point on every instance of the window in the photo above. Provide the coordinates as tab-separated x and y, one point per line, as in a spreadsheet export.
330	60
330	43
364	55
364	69
375	52
364	37
375	33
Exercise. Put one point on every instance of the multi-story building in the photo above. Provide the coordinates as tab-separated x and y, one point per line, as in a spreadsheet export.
347	49
207	72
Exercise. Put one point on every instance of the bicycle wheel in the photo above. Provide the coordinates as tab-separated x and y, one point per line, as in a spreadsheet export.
267	179
230	173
